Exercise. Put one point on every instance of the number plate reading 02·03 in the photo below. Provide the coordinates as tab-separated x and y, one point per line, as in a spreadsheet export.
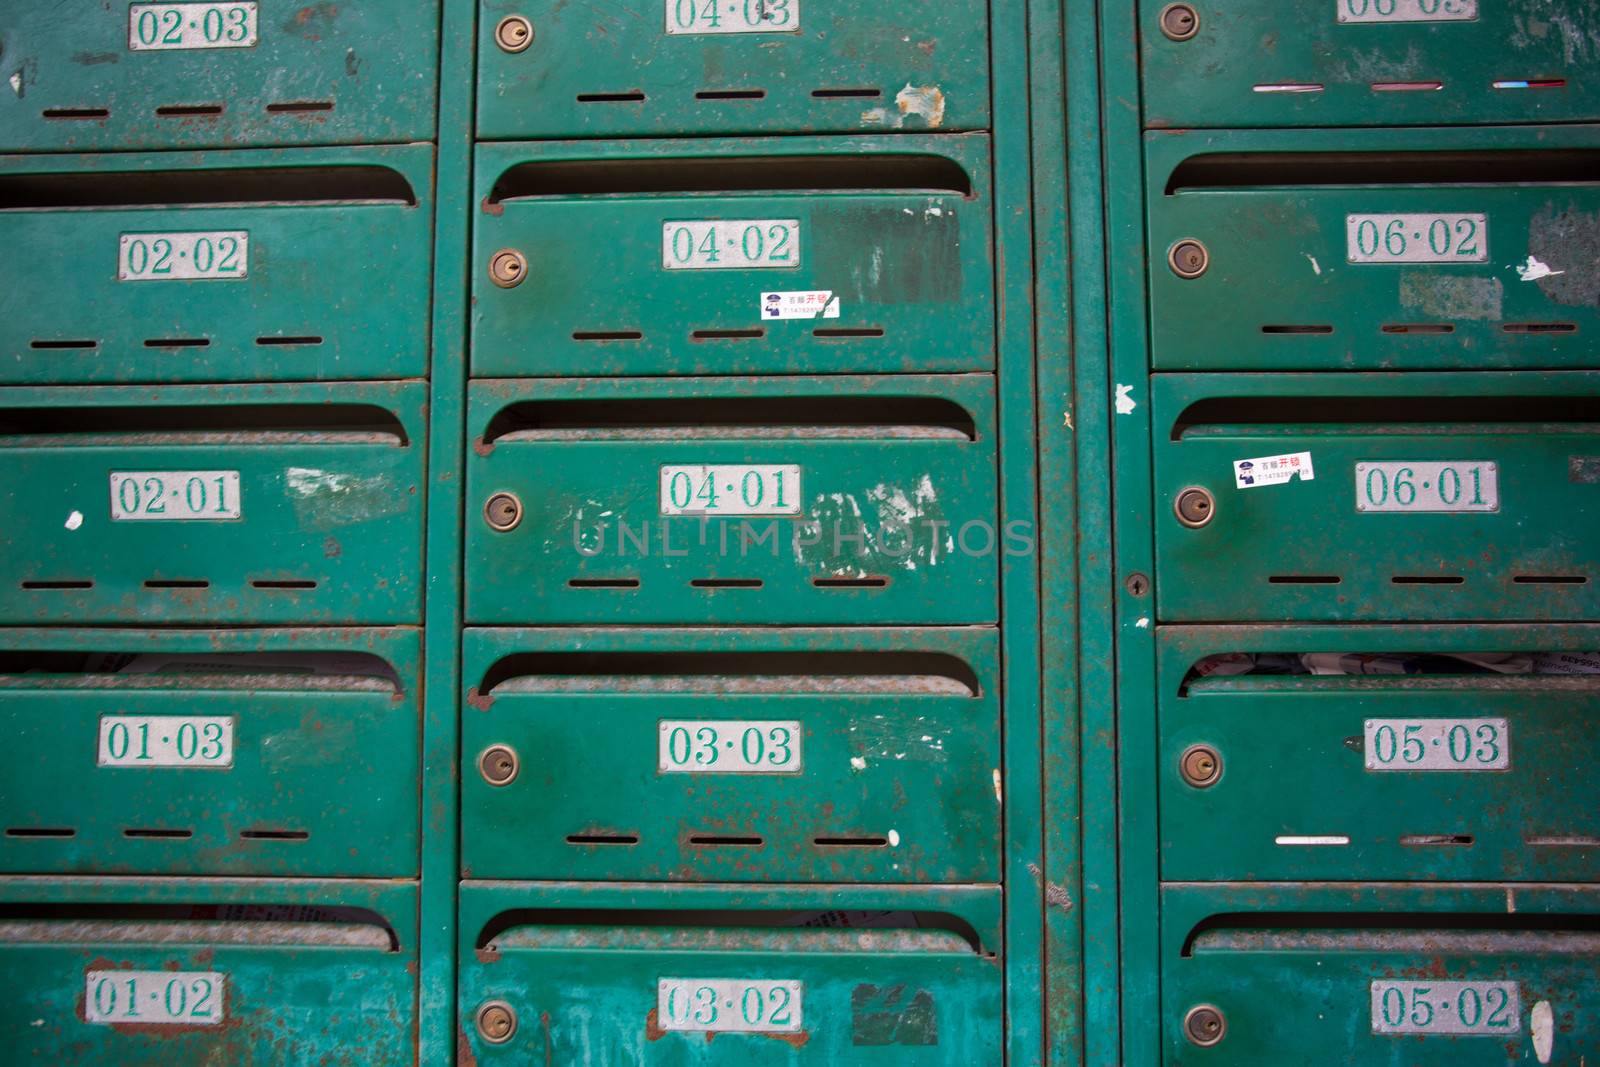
207	255
709	747
742	16
1417	238
1437	744
155	998
731	244
728	1005
1462	1009
1407	10
175	496
730	490
1428	485
165	741
169	27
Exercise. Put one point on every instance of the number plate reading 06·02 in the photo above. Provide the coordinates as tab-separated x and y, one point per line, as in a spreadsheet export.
1462	1009
1417	238
207	255
165	741
739	16
707	747
730	490
155	27
1437	744
155	998
1428	485
1407	10
731	244
175	496
728	1005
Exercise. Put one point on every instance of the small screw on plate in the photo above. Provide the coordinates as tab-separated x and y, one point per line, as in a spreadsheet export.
507	268
1205	1025
1180	21
513	34
497	1022
502	511
1188	258
1201	766
498	765
1195	507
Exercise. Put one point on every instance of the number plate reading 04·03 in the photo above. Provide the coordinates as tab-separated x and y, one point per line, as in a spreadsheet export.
728	1005
165	741
175	496
708	747
1407	10
1428	485
1469	1009
741	16
208	255
1417	238
154	27
731	244
1438	744
730	490
155	998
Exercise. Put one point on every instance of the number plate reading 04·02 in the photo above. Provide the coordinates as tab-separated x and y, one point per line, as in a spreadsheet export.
1463	1009
736	16
728	1005
1428	485
731	244
175	496
1417	238
155	998
165	741
208	255
1407	10
1438	744
708	747
155	27
730	490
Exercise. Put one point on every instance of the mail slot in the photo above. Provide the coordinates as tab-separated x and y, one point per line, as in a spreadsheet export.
299	264
837	500
1430	975
1210	63
252	504
207	972
1472	766
548	69
1377	496
218	752
782	256
732	755
226	74
1391	249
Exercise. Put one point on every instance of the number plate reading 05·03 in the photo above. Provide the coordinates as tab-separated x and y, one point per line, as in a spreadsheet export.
728	1005
707	747
1407	10
737	16
730	490
165	741
1438	744
1473	1009
175	496
1417	238
208	255
1428	485
731	244
158	998
155	27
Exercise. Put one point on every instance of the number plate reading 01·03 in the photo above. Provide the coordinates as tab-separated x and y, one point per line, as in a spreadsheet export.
1407	10
157	27
731	244
730	490
728	1005
155	998
736	16
1428	485
1475	1009
165	741
207	255
708	747
1437	744
175	496
1417	238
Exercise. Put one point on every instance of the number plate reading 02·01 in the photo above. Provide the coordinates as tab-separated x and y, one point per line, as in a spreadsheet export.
1437	744
1417	238
1428	485
155	998
730	490
175	496
745	16
1407	10
165	741
169	27
1461	1009
206	255
728	1005
731	244
711	747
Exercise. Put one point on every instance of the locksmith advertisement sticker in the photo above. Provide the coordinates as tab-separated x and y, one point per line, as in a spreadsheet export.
1272	470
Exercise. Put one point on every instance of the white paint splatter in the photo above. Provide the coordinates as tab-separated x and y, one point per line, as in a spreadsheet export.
894	838
1125	401
16	83
1314	264
999	795
74	520
1143	624
934	211
1542	1022
858	762
1533	270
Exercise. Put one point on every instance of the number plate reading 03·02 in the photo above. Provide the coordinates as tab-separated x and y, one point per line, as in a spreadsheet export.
1428	485
175	496
1417	238
157	27
708	747
1437	744
731	244
728	1005
155	998
1462	1009
1407	10
165	741
730	490
207	255
740	16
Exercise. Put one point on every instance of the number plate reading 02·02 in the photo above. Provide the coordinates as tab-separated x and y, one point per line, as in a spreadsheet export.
1407	10
730	490
728	1005
1417	238
155	998
207	255
1428	485
710	747
1462	1009
168	27
1437	744
744	16
731	244
165	741
175	496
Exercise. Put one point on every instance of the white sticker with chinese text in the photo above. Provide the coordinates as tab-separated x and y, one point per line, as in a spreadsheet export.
812	304
1272	470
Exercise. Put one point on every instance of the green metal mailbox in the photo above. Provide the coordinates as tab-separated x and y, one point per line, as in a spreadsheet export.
640	68
732	755
1322	497
258	504
1384	249
293	264
841	500
782	256
118	76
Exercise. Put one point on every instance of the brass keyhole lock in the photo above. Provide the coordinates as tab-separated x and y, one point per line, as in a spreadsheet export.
1204	1025
513	34
497	1022
1188	258
502	511
498	765
1201	766
507	268
1195	507
1180	21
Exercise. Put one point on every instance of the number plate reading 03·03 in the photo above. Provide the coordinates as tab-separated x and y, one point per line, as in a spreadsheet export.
1437	744
731	244
155	998
165	741
1407	10
1417	238
1428	485
728	1005
156	27
175	496
1462	1009
707	747
207	255
730	490
740	16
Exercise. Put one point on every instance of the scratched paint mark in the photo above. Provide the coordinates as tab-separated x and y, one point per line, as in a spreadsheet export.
74	520
16	83
858	762
1533	270
1452	297
1314	264
1542	1023
999	793
885	1015
925	102
324	499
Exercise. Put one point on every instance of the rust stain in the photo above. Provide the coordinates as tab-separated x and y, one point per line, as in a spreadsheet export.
544	1023
797	1039
493	207
464	1054
482	702
652	1027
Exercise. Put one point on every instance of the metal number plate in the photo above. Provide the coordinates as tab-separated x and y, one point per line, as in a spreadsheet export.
1407	10
730	490
1463	1009
694	746
1428	485
1437	744
686	17
731	244
158	27
728	1005
155	998
1417	238
165	741
175	496
207	255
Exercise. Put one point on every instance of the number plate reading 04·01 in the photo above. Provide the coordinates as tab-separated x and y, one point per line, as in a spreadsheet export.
155	998
1417	238
730	490
208	255
1428	485
165	741
742	16
175	496
728	1005
1462	1009
1407	10
709	747
1438	744
731	244
155	27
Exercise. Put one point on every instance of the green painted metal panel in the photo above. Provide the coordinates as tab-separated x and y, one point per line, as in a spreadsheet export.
1280	291
1270	63
330	281
895	230
314	775
897	510
1304	549
329	499
652	67
893	769
82	78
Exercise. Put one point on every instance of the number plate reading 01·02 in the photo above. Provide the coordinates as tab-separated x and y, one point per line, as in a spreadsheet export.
731	244
739	16
730	490
1437	744
1428	485
1417	238
1470	1009
728	1005
165	741
1407	10
709	747
157	27
175	496
207	255
155	998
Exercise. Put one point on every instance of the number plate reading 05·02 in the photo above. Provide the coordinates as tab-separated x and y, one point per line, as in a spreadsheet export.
730	490
1417	238
731	244
165	741
739	16
175	496
1428	485
1471	1009
155	27
207	255
155	998
1407	10
728	1005
1438	744
707	747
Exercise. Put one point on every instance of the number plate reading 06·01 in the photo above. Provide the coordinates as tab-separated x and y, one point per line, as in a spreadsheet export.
1407	10
165	741
1462	1009
175	496
1437	744
731	244
1428	485
1417	238
208	255
709	747
155	998
736	16
728	1005
730	490
155	27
